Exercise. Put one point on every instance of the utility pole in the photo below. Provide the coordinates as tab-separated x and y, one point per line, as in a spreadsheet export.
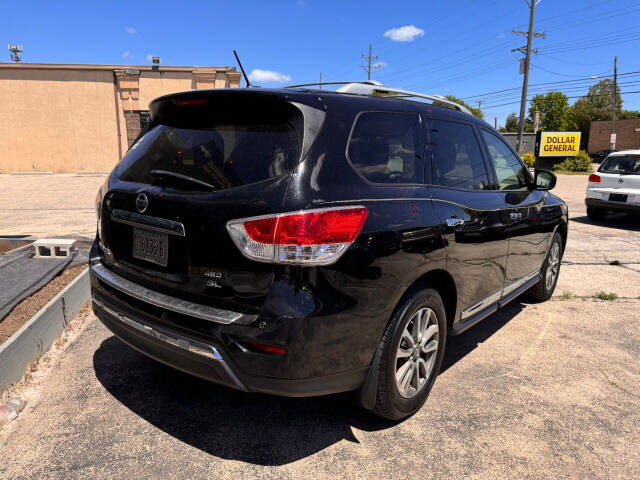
320	80
615	95
527	63
495	122
368	67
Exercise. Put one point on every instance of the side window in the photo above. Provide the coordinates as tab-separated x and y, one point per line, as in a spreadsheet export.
385	147
510	172
456	159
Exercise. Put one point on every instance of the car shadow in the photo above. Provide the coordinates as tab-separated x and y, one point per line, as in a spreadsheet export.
462	345
249	427
622	221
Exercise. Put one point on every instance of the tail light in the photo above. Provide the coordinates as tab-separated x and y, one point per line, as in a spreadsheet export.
593	178
308	237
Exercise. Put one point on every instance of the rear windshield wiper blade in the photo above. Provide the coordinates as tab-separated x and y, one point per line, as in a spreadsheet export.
178	176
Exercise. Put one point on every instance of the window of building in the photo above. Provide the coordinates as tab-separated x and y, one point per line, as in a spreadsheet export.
386	147
145	120
456	158
510	171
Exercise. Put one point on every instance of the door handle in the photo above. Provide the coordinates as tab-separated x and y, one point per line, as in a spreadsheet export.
454	222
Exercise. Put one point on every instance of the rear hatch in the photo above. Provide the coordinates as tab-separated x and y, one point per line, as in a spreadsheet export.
209	157
619	179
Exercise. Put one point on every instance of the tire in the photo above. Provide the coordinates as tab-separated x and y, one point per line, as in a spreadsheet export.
420	306
595	213
550	271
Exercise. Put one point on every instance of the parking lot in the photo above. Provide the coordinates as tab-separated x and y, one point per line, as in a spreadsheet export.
535	390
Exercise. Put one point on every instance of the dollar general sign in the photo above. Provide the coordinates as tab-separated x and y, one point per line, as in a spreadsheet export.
559	144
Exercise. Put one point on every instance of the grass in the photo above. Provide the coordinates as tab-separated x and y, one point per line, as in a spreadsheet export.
609	296
566	295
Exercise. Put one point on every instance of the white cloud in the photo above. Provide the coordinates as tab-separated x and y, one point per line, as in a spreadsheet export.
126	54
408	33
268	76
130	30
501	35
380	64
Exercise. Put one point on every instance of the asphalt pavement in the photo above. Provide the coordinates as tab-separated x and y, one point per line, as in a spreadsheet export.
534	391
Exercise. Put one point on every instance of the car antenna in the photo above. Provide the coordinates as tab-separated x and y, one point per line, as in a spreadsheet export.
246	79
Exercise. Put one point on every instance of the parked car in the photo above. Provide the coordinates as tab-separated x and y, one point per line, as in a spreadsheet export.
600	155
304	242
615	187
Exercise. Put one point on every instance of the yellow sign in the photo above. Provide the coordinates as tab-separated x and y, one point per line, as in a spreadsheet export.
559	144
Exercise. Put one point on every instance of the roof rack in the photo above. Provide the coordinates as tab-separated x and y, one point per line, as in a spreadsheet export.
371	87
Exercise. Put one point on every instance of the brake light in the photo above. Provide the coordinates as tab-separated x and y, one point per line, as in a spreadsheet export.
192	102
311	237
593	178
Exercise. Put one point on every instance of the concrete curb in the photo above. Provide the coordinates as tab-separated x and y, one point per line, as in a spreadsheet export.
36	336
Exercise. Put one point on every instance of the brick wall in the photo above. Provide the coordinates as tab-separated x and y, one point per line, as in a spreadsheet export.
627	134
132	119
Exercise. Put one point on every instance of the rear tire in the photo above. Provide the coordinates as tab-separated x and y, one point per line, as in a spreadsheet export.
411	354
595	213
550	271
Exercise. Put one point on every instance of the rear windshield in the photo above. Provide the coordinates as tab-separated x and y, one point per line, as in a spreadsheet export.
220	149
621	164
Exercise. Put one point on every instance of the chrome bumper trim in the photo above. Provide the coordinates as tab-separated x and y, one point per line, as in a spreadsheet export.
180	341
161	300
152	223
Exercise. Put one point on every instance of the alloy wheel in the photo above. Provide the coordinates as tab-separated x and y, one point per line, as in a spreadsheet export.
553	267
416	355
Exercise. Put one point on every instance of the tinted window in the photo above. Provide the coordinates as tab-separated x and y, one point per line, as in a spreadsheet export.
510	172
628	165
456	160
218	149
385	147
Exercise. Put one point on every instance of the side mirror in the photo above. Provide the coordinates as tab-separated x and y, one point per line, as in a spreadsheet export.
545	180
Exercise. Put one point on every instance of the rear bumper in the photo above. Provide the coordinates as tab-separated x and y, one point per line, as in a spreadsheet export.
615	206
207	356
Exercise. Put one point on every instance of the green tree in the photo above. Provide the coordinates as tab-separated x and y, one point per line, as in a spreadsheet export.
554	111
597	104
476	112
600	96
626	114
511	125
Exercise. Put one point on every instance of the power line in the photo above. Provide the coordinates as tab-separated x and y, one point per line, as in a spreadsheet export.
575	96
548	83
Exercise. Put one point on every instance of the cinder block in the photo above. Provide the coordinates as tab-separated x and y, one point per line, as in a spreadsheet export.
53	247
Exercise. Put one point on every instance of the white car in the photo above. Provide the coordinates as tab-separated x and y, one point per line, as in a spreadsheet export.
615	187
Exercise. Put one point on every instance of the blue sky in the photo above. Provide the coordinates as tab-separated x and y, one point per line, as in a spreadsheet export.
459	47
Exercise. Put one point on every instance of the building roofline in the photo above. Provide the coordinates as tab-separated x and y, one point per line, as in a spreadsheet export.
105	67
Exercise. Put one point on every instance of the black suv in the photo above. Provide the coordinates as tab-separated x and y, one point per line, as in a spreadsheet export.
304	242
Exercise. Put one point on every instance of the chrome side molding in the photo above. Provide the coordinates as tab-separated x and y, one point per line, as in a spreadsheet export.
497	295
152	223
180	341
167	302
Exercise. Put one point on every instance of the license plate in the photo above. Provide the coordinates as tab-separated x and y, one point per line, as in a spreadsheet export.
151	246
617	197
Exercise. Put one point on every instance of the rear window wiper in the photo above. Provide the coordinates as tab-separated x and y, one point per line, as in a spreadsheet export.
165	174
